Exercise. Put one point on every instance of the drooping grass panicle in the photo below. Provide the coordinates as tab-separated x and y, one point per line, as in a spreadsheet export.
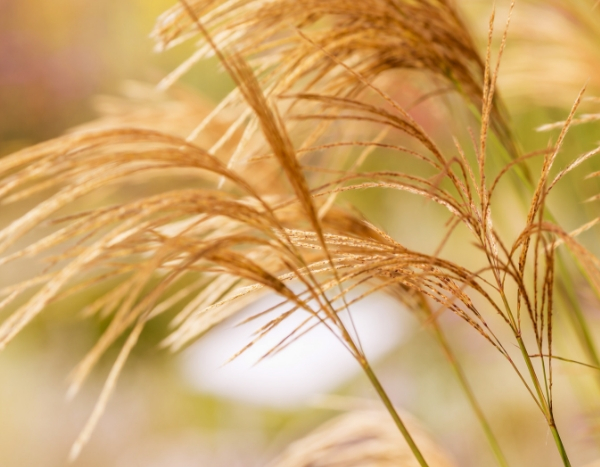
205	234
371	38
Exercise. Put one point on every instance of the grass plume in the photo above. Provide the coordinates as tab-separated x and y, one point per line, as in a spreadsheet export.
215	227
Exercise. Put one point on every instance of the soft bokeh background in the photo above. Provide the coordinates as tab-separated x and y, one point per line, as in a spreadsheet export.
187	410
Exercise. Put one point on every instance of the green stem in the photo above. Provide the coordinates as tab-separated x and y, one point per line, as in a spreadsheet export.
544	403
538	388
559	444
390	407
458	371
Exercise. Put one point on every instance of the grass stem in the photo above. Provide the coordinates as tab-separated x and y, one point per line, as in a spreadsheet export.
544	403
390	408
466	387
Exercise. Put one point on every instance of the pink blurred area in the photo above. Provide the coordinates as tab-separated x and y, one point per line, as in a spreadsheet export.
54	56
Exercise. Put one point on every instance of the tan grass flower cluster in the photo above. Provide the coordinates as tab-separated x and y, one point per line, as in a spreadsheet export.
364	438
208	229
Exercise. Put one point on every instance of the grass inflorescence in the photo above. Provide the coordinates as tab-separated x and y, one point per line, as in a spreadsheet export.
259	209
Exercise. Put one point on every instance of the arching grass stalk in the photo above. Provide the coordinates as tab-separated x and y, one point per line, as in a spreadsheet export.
464	384
565	287
236	71
390	408
544	402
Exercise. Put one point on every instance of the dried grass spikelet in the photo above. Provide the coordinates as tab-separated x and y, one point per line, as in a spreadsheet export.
302	51
220	247
363	438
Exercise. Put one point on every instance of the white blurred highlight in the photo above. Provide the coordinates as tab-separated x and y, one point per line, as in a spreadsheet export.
317	363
